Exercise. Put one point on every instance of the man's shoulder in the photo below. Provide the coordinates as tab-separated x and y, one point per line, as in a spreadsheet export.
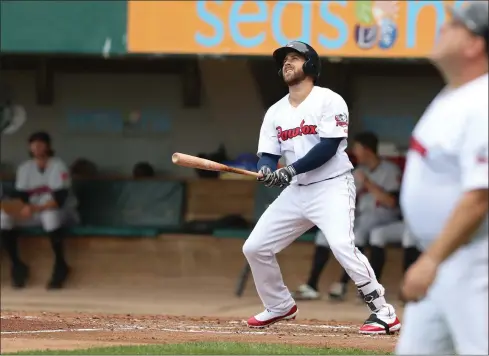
328	94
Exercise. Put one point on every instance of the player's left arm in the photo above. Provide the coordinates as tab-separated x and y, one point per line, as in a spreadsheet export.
59	182
472	208
332	129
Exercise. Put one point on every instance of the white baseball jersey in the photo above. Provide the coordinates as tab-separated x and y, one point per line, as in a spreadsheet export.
291	132
386	175
40	184
448	156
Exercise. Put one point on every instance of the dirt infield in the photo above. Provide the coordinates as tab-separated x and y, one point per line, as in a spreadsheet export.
31	331
174	289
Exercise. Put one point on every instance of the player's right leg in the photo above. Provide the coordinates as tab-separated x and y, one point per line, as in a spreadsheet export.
336	219
279	226
424	331
361	232
463	277
19	270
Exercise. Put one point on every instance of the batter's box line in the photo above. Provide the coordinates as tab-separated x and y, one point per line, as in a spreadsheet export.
287	325
25	317
291	326
193	331
69	330
324	326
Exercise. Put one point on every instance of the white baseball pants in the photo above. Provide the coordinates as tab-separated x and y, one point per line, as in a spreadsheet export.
392	233
453	318
49	220
330	205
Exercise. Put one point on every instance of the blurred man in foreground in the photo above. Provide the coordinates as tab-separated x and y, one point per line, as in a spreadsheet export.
43	183
444	198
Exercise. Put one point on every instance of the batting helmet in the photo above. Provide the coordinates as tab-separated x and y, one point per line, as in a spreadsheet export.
474	16
312	65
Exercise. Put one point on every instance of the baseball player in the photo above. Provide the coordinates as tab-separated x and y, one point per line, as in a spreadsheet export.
444	198
377	183
43	183
309	127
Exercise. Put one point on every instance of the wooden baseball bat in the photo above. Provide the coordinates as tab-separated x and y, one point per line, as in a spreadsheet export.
185	160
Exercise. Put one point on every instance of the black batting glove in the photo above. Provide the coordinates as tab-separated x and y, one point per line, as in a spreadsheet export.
267	178
283	176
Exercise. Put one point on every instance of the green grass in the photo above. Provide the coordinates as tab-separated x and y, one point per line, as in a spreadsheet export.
207	348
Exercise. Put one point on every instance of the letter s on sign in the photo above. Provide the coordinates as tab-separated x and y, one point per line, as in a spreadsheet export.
235	18
336	22
306	21
213	21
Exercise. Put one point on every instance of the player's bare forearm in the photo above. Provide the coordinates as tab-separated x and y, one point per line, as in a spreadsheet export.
383	197
466	218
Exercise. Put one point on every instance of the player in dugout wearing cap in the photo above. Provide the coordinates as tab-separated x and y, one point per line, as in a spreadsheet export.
43	183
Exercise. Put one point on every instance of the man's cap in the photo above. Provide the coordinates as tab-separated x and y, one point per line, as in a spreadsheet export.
474	15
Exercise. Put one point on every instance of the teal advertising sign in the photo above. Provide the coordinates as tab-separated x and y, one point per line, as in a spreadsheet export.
92	27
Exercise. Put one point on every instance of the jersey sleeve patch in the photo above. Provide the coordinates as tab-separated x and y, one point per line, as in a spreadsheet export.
341	120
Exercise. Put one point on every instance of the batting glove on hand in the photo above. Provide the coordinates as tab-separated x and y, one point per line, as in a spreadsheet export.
283	176
267	178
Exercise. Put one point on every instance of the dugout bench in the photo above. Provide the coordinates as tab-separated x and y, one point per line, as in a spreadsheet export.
124	208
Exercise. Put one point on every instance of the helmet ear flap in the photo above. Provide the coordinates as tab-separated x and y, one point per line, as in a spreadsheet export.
308	68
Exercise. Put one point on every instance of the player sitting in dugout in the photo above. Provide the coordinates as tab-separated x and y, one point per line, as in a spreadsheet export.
43	183
377	183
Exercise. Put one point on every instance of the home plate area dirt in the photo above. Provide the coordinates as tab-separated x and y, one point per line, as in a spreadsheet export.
191	278
41	331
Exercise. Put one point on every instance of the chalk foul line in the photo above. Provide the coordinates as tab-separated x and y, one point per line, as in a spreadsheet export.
194	330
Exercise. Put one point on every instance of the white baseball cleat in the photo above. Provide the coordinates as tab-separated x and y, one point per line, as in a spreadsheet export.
384	321
267	318
337	291
306	292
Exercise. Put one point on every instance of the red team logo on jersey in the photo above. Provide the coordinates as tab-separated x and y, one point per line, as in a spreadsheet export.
341	120
303	129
